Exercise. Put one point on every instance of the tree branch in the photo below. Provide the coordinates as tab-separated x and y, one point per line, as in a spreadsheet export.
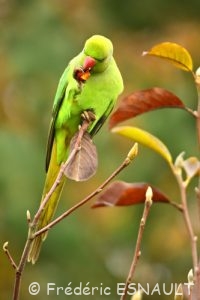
137	252
76	149
33	224
7	252
197	81
124	164
187	219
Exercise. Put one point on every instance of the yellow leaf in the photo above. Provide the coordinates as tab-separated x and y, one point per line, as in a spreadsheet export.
146	139
174	53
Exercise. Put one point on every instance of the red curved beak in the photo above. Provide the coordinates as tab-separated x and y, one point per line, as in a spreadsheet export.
89	63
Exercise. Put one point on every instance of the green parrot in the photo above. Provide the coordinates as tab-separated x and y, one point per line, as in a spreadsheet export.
91	82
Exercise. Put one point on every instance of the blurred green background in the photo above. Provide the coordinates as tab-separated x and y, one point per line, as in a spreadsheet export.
38	38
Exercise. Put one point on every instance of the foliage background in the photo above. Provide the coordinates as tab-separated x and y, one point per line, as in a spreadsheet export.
38	38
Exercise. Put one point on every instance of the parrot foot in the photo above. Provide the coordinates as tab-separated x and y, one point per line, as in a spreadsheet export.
88	115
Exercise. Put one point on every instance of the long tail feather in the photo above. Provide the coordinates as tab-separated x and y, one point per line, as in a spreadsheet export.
50	208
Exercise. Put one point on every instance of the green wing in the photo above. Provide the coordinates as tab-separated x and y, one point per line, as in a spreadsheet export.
102	119
60	94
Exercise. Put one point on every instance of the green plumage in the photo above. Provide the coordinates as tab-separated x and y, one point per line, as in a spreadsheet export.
98	94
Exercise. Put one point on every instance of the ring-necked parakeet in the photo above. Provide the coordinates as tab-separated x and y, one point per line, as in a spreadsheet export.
91	82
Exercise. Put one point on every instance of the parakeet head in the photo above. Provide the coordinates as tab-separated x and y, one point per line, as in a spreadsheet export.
100	49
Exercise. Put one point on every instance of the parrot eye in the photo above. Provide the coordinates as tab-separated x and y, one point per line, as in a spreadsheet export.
101	60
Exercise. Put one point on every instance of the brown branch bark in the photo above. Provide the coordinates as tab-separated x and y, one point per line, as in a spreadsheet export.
137	252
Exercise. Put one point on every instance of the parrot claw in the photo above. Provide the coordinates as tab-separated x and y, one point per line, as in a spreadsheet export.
88	115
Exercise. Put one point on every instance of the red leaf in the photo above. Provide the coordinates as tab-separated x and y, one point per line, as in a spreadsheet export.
143	101
120	193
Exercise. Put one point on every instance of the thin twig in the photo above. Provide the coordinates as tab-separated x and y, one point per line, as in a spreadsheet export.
124	164
197	80
197	190
20	269
76	149
33	224
137	252
9	256
193	237
31	235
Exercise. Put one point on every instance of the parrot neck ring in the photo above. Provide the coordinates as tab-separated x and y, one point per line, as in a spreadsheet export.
82	74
